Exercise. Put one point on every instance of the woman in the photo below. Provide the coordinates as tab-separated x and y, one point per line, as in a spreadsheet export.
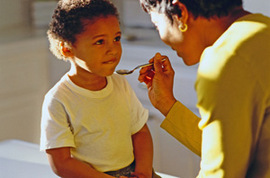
233	83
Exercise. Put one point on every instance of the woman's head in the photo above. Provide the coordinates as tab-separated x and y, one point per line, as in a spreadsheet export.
189	26
68	20
203	8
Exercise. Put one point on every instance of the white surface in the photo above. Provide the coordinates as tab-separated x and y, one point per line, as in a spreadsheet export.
19	159
22	151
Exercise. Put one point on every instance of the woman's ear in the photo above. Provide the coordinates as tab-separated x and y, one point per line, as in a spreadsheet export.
184	11
66	51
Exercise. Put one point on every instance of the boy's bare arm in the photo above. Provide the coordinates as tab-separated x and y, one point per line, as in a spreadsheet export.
67	167
143	151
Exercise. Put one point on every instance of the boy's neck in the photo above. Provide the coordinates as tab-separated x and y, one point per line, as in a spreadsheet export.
87	80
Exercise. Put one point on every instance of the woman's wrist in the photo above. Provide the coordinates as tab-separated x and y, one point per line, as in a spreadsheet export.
165	106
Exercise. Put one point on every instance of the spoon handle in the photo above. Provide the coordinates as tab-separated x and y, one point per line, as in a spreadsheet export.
147	64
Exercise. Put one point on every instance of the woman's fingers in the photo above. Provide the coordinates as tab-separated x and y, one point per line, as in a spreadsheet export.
144	72
147	73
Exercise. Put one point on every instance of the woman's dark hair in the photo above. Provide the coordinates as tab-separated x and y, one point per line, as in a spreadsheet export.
68	17
203	8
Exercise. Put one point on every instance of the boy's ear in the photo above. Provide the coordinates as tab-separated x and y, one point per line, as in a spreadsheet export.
66	51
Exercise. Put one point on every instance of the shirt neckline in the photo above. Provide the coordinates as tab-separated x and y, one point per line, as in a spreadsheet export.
88	93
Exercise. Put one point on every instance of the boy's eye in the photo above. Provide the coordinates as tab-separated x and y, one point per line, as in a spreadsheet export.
99	42
118	38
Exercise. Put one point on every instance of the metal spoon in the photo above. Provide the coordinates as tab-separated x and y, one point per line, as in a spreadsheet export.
126	72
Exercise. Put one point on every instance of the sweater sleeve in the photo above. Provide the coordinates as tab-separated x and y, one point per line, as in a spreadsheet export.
182	124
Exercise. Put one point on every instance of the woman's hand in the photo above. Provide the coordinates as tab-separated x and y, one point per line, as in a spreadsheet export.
159	83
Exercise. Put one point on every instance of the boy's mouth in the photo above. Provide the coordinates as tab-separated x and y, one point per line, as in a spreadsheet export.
110	61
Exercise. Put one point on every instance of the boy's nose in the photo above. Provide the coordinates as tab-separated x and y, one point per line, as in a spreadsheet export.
112	49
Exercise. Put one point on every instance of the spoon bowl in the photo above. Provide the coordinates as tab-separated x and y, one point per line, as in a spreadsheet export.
124	71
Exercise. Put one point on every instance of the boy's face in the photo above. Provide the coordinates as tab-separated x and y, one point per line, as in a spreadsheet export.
98	48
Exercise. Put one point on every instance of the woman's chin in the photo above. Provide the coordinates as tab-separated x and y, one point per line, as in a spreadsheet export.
190	63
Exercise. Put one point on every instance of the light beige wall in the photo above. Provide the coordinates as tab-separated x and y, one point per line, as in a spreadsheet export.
23	72
14	14
24	80
258	6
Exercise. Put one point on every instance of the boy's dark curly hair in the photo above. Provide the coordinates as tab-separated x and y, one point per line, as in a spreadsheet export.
67	20
203	8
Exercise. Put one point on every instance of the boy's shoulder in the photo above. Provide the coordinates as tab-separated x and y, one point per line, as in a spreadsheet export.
58	89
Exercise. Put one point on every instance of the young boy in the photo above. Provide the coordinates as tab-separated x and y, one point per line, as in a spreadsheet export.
92	123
